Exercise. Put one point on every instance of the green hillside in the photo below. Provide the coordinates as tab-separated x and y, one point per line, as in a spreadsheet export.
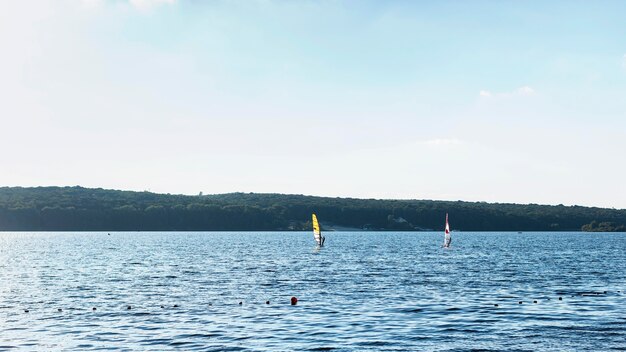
85	209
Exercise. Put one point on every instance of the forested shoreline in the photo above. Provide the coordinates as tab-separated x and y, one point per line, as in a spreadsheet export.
89	209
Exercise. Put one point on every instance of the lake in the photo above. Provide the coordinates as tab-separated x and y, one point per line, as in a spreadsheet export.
362	291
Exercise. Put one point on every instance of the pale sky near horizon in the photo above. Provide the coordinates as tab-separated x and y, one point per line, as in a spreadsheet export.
497	101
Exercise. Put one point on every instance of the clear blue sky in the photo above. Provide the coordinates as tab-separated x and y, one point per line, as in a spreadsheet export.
499	101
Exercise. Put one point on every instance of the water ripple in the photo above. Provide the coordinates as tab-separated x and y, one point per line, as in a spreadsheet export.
364	292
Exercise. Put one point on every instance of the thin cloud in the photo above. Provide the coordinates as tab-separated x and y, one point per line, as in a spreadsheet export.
148	4
92	3
442	141
525	90
142	5
521	91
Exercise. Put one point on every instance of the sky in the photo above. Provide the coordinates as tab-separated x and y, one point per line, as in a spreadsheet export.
496	101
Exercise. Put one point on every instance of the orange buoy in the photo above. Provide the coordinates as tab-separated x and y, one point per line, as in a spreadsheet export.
294	301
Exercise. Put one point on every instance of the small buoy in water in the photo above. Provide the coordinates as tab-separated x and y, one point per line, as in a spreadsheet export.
26	311
128	307
605	292
162	306
560	298
176	306
534	301
60	310
294	301
240	303
520	302
94	308
495	305
210	304
267	302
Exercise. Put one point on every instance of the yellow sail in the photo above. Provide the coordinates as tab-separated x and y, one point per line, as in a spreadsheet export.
317	234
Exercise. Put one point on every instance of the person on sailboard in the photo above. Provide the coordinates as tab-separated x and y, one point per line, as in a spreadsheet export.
447	238
317	233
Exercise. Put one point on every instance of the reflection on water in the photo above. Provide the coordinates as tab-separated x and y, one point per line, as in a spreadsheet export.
361	291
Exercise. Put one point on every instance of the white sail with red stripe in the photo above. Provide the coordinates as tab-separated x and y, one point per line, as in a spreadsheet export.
447	239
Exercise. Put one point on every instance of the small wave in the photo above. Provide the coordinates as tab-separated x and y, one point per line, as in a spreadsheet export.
179	343
195	336
377	343
190	272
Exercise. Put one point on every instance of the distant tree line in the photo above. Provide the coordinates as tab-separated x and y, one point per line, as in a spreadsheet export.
86	209
605	226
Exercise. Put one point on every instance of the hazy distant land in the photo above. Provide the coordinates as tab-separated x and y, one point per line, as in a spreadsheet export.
85	209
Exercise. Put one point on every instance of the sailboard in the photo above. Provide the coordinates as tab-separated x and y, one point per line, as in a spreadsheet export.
447	239
317	232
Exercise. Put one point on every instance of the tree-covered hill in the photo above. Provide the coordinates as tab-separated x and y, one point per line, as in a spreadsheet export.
86	209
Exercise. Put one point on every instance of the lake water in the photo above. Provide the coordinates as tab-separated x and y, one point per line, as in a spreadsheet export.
363	291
